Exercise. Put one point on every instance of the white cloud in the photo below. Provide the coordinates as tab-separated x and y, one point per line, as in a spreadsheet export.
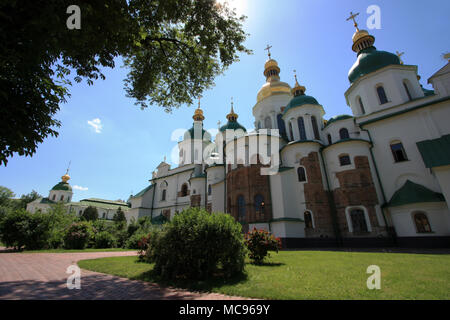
96	124
80	188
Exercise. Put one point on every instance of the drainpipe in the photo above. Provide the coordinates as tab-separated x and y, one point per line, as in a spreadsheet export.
153	201
392	234
331	202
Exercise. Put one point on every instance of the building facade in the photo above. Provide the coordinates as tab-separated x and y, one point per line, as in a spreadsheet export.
377	177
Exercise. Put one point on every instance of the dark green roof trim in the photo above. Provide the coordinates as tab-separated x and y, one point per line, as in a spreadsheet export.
338	118
64	186
423	105
215	165
142	192
346	140
47	201
435	152
427	92
414	193
172	174
199	176
300	141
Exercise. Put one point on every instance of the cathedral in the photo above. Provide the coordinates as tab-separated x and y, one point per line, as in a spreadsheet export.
377	177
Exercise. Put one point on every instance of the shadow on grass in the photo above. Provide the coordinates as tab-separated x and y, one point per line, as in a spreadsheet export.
193	285
268	264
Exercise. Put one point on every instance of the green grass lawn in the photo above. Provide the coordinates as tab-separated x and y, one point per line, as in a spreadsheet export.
313	275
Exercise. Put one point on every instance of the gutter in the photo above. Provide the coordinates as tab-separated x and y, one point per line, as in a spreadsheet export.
332	203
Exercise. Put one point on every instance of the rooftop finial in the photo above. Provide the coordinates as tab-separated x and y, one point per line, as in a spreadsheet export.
352	17
232	105
268	50
399	54
295	76
199	97
68	167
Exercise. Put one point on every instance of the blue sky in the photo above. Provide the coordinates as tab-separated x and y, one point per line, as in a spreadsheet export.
312	37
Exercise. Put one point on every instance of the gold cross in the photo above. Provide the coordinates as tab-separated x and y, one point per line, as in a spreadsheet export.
295	76
399	54
352	17
199	97
268	50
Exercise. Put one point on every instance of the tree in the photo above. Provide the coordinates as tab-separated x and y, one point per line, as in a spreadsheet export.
173	51
90	214
27	198
119	216
5	196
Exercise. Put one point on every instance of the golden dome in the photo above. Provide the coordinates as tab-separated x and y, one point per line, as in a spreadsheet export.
359	34
65	178
297	89
270	63
271	88
198	114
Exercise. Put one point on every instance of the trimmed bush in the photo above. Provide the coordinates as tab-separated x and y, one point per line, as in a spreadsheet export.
104	239
133	242
259	243
197	245
77	235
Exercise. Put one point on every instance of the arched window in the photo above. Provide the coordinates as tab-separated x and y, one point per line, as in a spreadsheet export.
421	222
163	195
398	151
241	208
184	190
343	133
54	197
281	125
259	204
308	220
291	132
329	139
382	95
315	128
301	128
361	105
301	174
344	159
405	85
259	125
267	123
209	190
62	198
358	220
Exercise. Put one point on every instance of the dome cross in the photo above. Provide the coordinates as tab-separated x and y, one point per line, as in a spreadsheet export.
352	17
268	50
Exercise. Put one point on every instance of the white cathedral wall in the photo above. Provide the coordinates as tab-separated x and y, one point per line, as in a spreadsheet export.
288	229
437	213
442	174
218	194
407	128
334	128
391	78
270	107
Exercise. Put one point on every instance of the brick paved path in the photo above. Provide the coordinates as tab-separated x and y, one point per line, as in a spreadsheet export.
43	276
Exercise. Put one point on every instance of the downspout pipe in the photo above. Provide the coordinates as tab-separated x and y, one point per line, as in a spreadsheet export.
153	201
332	203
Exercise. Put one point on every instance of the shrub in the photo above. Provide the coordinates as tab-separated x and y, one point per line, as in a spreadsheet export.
259	242
104	239
19	229
59	221
197	245
133	242
77	235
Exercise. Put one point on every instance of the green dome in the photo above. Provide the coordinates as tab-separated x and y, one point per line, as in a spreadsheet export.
232	125
64	186
370	60
190	134
337	118
299	101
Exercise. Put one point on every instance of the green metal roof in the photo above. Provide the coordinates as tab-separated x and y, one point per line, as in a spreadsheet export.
232	125
102	203
414	193
300	100
64	186
435	152
370	60
46	200
338	118
190	134
427	92
143	191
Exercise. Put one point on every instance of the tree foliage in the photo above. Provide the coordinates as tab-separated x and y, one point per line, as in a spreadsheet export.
172	49
90	214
